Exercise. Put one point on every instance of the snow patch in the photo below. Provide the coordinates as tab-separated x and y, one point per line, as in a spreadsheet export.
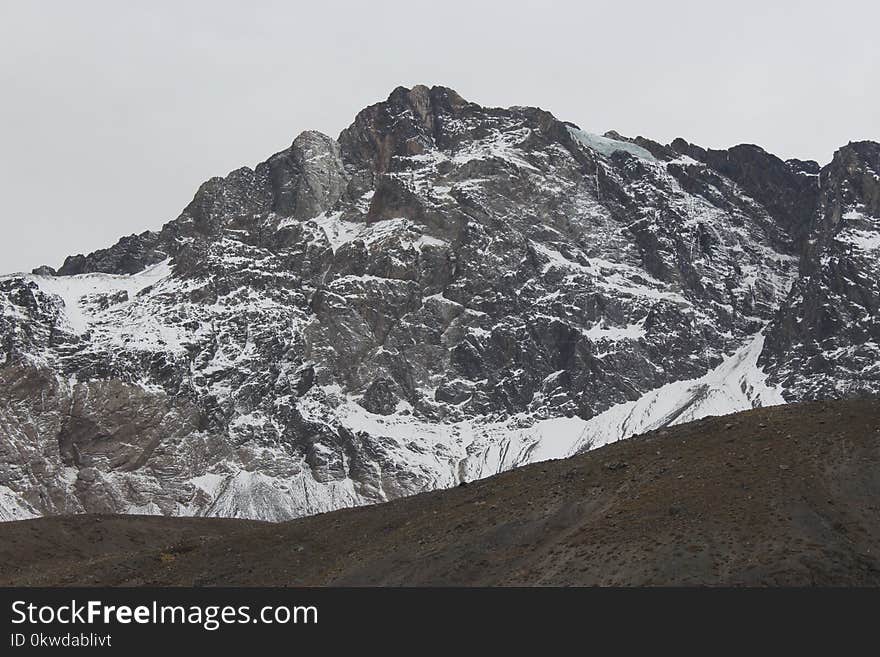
600	332
864	240
737	384
13	507
74	291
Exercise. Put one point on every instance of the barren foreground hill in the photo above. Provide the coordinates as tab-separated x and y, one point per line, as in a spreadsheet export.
787	495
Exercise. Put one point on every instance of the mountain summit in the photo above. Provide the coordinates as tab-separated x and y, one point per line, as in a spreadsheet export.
444	292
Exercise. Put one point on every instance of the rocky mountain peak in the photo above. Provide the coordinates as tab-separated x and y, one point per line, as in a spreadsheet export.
444	292
853	174
408	123
308	178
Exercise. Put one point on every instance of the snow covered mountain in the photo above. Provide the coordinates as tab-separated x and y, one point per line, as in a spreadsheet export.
444	292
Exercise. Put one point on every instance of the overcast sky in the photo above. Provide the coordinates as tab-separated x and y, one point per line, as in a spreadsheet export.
112	113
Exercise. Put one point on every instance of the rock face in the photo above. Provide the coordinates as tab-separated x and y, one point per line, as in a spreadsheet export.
444	292
825	341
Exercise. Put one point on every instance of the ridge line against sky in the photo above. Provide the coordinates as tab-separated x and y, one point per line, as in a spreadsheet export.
114	113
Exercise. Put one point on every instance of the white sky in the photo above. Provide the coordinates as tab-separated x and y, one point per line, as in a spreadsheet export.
112	113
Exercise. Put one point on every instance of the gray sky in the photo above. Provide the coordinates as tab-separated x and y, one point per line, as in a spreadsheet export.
112	113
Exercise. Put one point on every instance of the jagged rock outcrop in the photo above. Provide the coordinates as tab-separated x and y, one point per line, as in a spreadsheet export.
825	341
443	292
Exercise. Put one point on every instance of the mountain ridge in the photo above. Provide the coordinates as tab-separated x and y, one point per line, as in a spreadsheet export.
678	146
444	292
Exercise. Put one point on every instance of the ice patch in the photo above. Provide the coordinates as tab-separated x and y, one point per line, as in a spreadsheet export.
607	146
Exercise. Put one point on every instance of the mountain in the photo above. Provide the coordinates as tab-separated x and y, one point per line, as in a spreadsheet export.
444	292
781	496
